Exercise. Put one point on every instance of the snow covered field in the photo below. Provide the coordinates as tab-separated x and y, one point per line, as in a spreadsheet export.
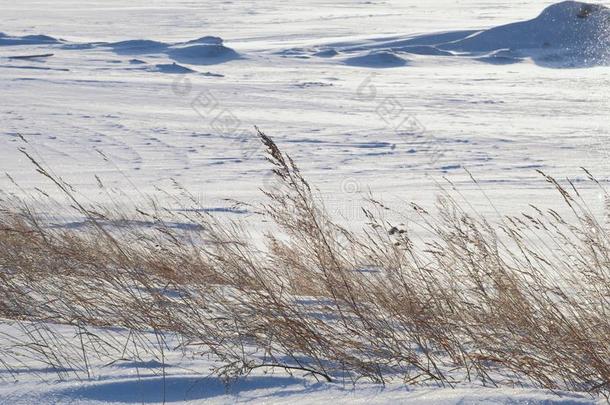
383	95
501	120
187	381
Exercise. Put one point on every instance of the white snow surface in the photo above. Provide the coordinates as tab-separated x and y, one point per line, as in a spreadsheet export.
387	96
180	380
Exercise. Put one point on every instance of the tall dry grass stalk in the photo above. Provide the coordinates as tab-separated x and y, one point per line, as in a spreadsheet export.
522	301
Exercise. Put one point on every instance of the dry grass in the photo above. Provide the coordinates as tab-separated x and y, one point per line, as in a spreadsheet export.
523	301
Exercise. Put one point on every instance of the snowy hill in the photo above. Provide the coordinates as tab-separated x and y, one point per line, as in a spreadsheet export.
577	33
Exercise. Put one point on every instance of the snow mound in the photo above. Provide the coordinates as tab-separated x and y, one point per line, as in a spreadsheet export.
565	34
172	68
209	40
206	50
137	46
377	59
578	32
568	24
6	40
202	54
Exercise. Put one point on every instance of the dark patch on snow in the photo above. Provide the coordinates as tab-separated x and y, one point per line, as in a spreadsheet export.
34	68
210	74
305	85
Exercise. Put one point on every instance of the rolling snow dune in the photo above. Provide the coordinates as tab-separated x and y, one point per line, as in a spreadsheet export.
568	34
564	25
578	33
6	40
486	111
202	54
207	50
202	51
137	47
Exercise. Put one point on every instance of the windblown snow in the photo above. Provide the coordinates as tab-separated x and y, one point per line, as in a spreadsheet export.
387	96
567	34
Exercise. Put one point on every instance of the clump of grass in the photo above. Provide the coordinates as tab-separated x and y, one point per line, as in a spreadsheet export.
524	300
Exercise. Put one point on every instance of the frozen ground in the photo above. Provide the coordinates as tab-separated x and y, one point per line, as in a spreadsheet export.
381	95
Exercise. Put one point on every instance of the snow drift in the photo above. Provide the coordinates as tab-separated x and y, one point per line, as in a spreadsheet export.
202	54
566	34
570	31
172	68
7	40
137	47
206	50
